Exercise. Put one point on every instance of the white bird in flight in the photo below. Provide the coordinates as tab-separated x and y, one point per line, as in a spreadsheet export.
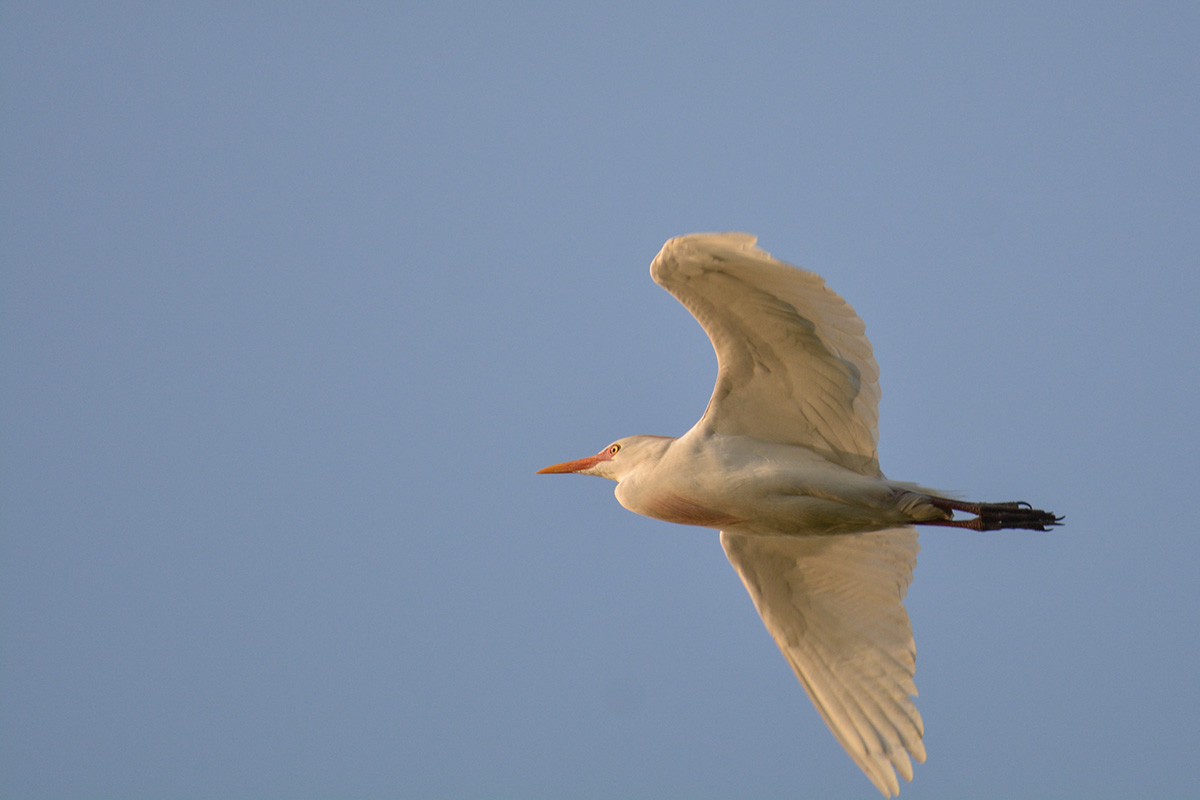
784	464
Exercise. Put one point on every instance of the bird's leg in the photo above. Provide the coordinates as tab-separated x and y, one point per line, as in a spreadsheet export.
993	516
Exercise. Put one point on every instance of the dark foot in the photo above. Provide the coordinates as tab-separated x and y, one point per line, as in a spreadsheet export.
996	516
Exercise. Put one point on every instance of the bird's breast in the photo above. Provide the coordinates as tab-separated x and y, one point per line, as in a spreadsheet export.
694	483
671	507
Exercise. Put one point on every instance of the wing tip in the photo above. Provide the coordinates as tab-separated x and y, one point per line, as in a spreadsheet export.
686	249
726	238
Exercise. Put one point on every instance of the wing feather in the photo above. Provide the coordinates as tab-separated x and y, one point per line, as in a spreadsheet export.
794	363
835	606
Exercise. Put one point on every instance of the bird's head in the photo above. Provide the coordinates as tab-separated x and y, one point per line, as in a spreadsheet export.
618	459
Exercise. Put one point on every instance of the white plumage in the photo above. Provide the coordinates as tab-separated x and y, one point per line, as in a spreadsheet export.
784	464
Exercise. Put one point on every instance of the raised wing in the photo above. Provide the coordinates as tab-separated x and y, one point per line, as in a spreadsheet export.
835	607
793	362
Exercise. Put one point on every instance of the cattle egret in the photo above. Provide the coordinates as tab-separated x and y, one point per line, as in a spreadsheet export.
783	463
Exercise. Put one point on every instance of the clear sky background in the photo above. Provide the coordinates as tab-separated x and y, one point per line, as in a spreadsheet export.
297	297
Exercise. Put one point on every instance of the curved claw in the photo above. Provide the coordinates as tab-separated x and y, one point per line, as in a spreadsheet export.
996	516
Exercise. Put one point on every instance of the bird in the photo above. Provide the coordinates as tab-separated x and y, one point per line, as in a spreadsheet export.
784	464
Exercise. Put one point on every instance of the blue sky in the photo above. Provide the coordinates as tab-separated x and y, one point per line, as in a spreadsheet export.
295	298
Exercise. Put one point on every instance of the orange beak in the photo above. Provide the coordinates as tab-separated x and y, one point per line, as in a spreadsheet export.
578	465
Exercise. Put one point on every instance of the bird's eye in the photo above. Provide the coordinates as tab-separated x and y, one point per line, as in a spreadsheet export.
612	451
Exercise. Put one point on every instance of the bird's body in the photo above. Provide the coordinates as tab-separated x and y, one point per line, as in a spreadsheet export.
784	464
744	485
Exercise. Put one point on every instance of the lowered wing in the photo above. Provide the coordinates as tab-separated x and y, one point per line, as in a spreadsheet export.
835	607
